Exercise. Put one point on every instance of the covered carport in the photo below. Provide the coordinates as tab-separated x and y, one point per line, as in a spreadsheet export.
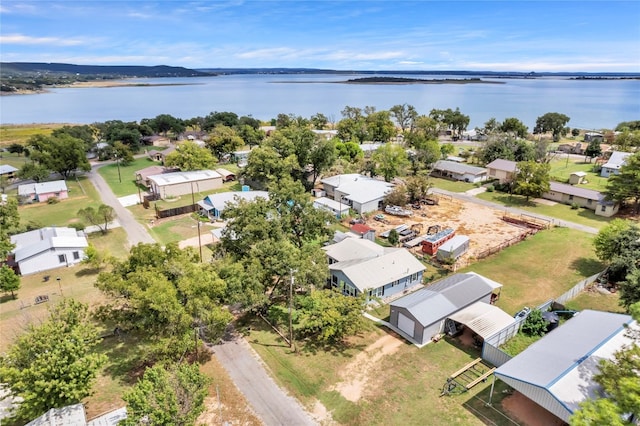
482	318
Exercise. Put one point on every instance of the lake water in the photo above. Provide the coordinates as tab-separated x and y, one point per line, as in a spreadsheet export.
589	104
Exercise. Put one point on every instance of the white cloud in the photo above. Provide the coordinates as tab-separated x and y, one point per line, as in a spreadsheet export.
30	40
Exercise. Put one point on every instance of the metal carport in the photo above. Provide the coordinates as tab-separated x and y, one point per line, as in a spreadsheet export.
484	319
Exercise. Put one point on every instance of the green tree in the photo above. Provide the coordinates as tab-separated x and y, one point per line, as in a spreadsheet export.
514	126
34	171
391	160
250	136
319	121
553	122
627	140
397	196
266	166
625	185
628	125
405	115
100	217
228	119
379	126
321	157
165	123
54	363
418	187
534	325
189	156
224	140
532	179
9	281
393	238
85	133
506	148
16	148
447	149
328	316
63	154
593	150
349	151
9	216
122	153
167	396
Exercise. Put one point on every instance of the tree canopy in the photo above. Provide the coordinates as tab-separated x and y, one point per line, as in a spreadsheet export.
9	281
391	160
625	185
53	364
553	122
100	217
532	179
189	156
63	154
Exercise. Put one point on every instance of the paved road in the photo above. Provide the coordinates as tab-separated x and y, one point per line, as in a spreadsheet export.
269	401
136	232
554	221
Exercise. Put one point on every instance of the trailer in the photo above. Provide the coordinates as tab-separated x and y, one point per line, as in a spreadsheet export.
431	244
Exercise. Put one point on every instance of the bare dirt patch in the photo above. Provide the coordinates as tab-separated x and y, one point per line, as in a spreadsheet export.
483	225
528	412
356	373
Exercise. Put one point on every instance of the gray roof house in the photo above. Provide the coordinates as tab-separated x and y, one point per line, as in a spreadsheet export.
8	171
463	298
459	171
361	193
74	415
612	166
213	205
42	191
583	197
48	248
358	266
556	372
503	170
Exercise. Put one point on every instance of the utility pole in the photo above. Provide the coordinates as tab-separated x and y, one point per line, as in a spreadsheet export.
291	309
199	240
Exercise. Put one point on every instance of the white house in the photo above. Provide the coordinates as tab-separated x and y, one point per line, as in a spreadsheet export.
583	197
358	266
361	193
180	183
7	171
458	171
612	166
48	248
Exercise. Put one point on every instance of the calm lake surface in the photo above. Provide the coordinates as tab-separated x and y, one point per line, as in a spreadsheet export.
589	104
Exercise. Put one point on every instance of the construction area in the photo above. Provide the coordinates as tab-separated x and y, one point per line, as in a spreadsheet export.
488	230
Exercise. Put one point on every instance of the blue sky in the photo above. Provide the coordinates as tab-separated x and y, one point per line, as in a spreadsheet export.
596	36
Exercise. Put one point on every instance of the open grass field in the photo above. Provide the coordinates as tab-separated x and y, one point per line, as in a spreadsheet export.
125	183
544	266
562	167
14	160
451	185
559	211
81	194
20	133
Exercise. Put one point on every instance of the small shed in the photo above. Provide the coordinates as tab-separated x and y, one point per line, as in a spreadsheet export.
227	176
577	178
363	231
453	248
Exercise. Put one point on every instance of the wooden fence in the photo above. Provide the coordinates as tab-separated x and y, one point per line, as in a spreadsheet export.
175	211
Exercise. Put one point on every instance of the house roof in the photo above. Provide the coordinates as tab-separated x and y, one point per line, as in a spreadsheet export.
220	200
504	165
6	169
331	204
359	188
225	173
71	415
360	228
154	170
565	360
42	187
454	243
446	296
616	160
354	249
377	271
183	177
29	244
576	191
459	168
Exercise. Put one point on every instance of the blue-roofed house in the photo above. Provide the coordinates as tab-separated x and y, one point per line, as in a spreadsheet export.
213	205
557	371
421	315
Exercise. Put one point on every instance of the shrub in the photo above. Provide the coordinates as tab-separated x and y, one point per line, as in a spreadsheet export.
490	188
575	206
534	325
53	200
78	226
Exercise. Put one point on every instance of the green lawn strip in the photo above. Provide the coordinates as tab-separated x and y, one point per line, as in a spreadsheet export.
540	268
451	185
127	175
559	211
21	133
561	169
175	229
592	299
81	194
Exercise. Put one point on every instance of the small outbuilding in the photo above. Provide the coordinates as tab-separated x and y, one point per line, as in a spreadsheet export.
576	178
227	176
453	248
334	207
213	205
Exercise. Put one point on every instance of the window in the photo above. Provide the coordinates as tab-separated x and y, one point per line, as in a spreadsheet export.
61	258
603	209
76	255
395	283
589	201
570	197
414	277
334	280
376	292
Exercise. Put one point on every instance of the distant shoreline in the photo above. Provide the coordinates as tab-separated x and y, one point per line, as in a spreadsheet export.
404	80
93	84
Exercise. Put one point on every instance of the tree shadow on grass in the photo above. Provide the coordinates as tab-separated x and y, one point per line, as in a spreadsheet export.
587	266
514	201
7	298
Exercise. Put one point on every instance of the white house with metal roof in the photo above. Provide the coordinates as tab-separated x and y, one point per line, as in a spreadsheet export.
47	248
359	266
180	183
613	165
583	197
7	171
462	298
213	205
42	191
557	371
361	193
459	171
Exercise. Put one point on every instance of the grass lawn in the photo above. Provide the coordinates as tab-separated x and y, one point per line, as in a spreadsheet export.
559	211
400	389
127	175
81	194
542	267
561	169
114	243
22	132
592	299
451	185
14	160
176	229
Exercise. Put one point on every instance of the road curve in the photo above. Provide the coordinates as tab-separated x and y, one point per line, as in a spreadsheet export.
268	400
136	233
554	221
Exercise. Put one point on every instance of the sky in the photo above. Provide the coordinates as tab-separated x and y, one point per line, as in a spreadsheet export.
500	35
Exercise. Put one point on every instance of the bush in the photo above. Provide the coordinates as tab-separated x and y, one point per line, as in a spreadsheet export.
53	200
78	226
575	206
490	188
534	325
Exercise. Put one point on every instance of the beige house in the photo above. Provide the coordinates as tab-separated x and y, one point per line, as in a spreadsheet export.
583	197
167	185
503	170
